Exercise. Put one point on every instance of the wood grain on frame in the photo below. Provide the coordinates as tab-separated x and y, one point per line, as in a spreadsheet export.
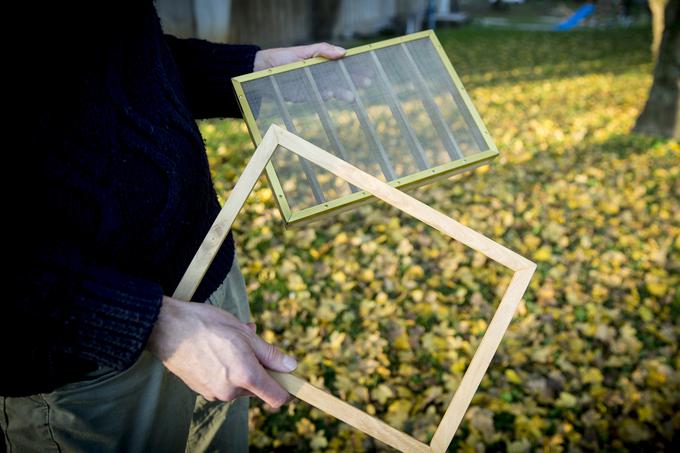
319	398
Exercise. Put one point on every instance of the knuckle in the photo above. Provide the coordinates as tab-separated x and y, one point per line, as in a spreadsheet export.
226	395
239	341
247	331
220	396
271	353
247	378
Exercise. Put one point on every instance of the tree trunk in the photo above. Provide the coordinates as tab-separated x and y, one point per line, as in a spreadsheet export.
657	8
661	115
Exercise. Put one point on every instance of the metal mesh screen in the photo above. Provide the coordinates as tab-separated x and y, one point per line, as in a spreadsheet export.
392	112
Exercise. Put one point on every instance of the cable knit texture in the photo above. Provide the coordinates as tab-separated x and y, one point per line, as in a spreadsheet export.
124	195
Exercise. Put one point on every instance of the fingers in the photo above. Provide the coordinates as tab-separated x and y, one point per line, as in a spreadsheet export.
361	80
322	49
238	393
230	395
261	384
343	95
339	93
271	357
264	386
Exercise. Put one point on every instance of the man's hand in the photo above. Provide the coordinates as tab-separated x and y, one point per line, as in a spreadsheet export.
269	58
329	87
216	355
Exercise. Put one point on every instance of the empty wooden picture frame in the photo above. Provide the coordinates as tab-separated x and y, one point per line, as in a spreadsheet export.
299	387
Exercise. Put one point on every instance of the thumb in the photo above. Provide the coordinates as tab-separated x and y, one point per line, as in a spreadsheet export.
271	357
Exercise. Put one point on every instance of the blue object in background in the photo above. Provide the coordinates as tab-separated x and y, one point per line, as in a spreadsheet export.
583	12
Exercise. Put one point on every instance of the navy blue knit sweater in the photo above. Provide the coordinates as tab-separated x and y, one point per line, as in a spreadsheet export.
124	195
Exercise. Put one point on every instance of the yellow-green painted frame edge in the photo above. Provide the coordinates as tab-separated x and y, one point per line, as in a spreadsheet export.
256	137
411	181
419	178
463	92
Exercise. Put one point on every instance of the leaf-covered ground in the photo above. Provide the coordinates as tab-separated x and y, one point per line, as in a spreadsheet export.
386	312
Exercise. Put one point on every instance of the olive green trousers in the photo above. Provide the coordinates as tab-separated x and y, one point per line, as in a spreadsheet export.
144	408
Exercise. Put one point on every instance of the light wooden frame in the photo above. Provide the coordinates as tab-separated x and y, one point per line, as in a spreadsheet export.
299	387
349	201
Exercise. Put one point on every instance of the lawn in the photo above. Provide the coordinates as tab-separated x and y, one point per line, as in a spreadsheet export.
386	312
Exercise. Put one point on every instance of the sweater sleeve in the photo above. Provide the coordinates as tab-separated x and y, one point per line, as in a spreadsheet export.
206	70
